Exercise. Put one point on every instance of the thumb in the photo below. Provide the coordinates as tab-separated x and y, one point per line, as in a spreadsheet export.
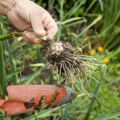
38	26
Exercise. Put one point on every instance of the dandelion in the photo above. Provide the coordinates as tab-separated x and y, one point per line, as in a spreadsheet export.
92	52
106	60
100	49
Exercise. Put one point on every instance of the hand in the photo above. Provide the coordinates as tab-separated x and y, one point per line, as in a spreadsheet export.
33	20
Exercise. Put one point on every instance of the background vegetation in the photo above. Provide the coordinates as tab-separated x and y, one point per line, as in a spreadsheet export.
92	25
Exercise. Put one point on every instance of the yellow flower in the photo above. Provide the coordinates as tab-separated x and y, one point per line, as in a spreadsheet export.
92	52
106	60
100	49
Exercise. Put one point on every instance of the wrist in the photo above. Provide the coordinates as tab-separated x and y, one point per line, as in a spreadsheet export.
6	5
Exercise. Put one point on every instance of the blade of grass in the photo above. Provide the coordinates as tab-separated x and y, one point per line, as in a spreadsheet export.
75	8
43	114
9	35
89	26
64	113
87	115
91	5
3	80
101	5
12	62
61	19
71	20
32	77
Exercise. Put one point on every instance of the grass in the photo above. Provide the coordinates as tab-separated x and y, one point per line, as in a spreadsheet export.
91	23
3	81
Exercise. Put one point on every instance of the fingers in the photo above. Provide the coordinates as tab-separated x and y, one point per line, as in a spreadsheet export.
37	25
52	32
31	37
50	25
43	24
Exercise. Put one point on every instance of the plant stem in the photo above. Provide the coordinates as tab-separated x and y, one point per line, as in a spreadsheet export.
9	35
2	72
3	81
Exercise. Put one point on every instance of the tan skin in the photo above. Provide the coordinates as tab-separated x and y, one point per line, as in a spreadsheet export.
33	20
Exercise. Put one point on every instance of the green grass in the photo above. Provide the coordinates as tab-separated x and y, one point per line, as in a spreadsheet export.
81	22
3	80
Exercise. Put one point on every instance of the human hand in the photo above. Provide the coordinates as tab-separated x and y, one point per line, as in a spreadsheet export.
33	20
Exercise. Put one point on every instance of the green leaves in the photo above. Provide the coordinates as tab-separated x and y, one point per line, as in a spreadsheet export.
3	80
